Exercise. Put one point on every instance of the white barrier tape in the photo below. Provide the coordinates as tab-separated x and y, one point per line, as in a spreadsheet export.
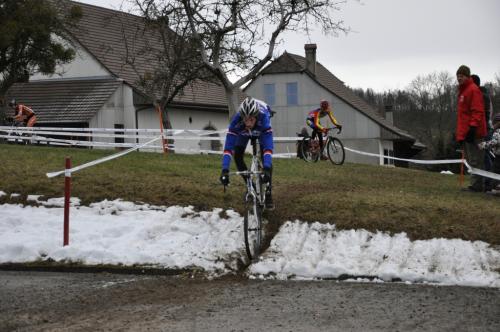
200	132
99	161
122	130
127	130
55	141
175	134
481	172
470	169
77	134
194	138
196	151
415	161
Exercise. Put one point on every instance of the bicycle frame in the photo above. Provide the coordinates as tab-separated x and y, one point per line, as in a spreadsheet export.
253	177
254	200
312	153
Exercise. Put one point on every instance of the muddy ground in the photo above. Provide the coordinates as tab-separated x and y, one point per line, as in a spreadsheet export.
48	301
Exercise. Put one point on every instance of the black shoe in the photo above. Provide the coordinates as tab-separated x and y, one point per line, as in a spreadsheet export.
269	201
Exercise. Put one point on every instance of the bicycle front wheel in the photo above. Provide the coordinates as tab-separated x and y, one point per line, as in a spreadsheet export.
336	152
252	229
307	152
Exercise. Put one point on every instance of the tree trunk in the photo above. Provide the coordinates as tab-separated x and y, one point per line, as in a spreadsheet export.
233	101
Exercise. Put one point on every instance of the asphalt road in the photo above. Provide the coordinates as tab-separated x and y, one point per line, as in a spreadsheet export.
46	301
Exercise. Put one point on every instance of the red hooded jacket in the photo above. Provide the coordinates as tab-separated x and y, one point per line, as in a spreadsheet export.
470	109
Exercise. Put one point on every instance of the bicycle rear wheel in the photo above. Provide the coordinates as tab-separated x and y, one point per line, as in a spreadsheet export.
252	229
307	153
336	152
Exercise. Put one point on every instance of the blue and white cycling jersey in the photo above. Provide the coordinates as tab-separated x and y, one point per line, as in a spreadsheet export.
238	135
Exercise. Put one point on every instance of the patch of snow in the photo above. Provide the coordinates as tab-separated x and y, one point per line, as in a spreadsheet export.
302	250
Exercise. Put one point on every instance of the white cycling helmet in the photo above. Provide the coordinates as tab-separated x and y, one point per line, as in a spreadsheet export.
249	107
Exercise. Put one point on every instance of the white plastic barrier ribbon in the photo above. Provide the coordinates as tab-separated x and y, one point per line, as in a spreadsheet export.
126	130
470	169
195	151
98	161
56	141
481	172
415	161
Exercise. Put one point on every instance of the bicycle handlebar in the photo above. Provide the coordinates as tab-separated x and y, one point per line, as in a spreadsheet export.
246	172
339	129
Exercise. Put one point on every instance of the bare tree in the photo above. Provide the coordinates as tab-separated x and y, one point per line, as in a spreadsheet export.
162	54
434	96
227	34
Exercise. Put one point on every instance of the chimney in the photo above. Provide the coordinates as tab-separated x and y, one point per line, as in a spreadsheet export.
388	114
311	57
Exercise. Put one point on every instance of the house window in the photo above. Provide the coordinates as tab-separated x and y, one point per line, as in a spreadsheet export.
292	97
389	153
270	93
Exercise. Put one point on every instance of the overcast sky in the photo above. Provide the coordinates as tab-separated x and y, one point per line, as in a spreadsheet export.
396	40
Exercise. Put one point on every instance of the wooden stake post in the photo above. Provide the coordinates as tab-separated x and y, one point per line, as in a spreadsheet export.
67	195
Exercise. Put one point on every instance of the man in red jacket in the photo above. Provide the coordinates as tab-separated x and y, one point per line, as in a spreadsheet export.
471	123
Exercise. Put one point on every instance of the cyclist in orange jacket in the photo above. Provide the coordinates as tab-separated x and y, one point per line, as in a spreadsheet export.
23	114
313	121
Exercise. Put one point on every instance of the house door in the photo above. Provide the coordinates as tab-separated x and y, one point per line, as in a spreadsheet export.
214	145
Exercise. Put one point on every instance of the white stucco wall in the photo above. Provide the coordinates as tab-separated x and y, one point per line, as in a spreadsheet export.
359	131
84	65
119	109
180	119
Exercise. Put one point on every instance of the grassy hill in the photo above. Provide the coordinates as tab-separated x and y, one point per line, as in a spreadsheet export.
422	204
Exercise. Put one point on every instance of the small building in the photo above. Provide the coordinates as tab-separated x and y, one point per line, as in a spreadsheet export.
99	89
293	85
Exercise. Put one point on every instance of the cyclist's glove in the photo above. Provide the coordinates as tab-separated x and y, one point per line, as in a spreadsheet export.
339	127
224	177
266	177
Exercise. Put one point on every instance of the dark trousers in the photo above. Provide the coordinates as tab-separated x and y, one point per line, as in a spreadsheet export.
319	134
488	163
496	170
475	158
488	166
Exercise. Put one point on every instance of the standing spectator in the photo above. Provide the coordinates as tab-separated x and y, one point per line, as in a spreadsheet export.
494	145
488	158
471	124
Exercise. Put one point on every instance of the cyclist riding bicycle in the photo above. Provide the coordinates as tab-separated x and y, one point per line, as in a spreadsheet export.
23	114
252	120
313	121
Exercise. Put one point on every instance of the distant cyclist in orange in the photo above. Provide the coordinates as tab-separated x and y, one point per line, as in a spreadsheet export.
313	121
23	114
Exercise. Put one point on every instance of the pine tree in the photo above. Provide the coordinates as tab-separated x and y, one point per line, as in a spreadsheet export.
32	38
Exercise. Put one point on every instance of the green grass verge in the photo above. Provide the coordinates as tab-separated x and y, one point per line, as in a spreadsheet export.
422	204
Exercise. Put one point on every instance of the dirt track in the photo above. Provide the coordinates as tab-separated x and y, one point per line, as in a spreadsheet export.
43	301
